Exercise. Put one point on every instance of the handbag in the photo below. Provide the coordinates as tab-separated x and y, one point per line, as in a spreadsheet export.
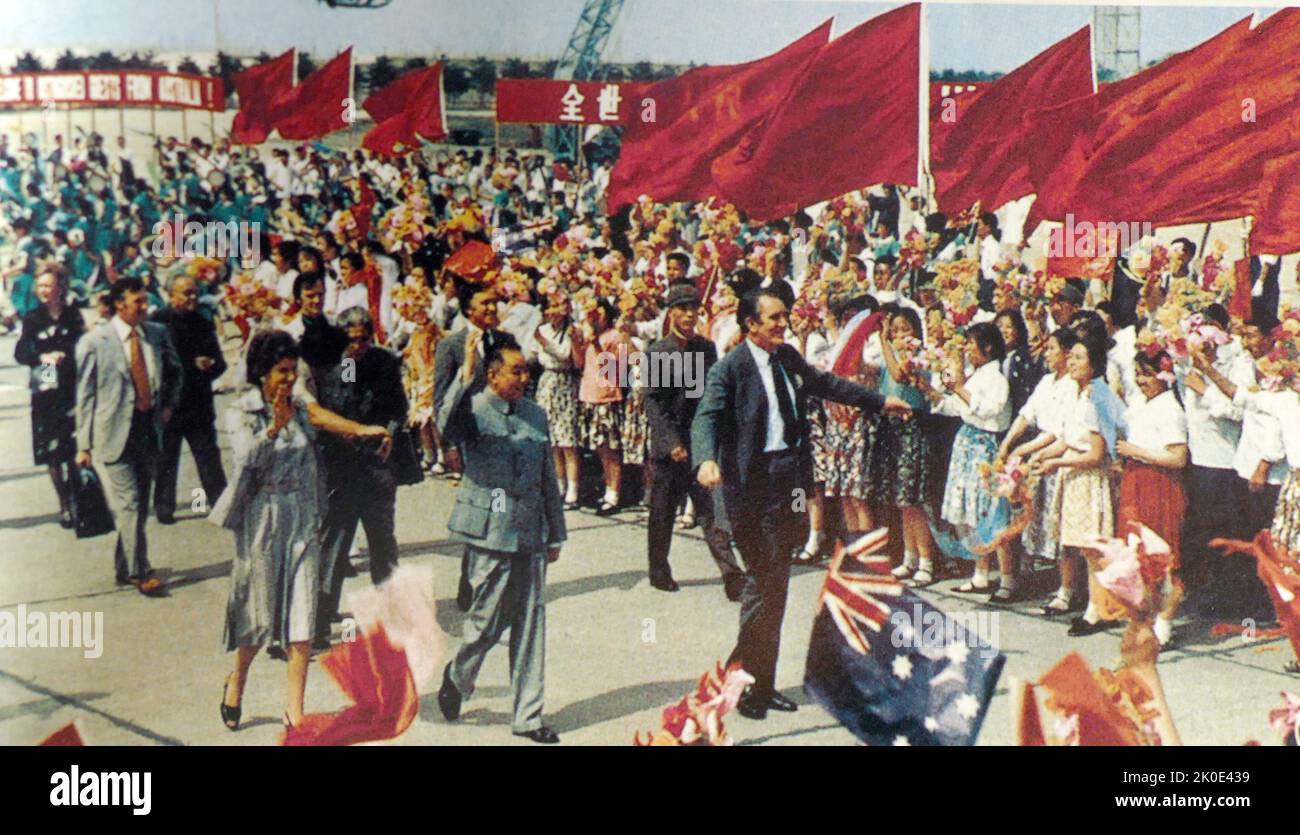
90	510
405	463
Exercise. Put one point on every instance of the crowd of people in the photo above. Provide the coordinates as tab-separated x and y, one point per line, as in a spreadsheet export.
868	363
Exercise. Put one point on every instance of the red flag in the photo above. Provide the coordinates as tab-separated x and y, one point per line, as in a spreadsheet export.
316	106
472	261
375	675
408	108
1279	571
979	157
698	117
68	735
258	88
1194	132
849	121
1277	221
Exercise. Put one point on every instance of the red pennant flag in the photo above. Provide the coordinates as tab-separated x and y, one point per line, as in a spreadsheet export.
698	117
376	677
975	138
472	261
1075	691
408	108
316	106
849	121
1186	141
68	735
1279	571
258	88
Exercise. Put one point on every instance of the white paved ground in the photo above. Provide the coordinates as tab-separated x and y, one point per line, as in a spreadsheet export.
617	652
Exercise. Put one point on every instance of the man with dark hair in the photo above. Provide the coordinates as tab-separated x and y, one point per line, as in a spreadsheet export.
750	435
510	515
679	363
128	387
195	421
678	266
480	306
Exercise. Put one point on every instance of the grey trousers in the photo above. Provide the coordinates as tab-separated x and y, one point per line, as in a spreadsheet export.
129	480
508	594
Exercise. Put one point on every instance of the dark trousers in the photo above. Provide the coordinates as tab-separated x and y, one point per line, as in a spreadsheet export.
129	480
1239	591
1215	500
201	435
765	534
670	482
367	495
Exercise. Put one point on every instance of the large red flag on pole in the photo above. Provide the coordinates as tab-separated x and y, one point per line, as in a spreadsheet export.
317	105
693	119
1277	219
258	88
975	145
410	107
850	120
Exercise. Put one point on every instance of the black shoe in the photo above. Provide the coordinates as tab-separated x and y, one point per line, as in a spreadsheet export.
348	570
277	652
166	518
665	585
229	715
752	705
65	520
1080	627
320	644
778	702
544	735
733	586
449	697
606	509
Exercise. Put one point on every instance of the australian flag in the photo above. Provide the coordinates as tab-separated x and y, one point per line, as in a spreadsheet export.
890	667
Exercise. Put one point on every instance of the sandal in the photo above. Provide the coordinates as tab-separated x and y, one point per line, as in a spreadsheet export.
1004	596
969	587
921	579
686	521
1058	605
1293	668
904	571
805	556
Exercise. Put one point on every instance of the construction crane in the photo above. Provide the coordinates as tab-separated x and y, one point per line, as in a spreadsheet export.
581	59
1116	38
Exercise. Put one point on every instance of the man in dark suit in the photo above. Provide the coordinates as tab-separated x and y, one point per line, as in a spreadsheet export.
480	306
128	387
195	421
678	364
750	434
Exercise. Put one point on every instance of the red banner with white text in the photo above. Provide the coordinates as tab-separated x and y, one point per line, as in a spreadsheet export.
113	88
546	101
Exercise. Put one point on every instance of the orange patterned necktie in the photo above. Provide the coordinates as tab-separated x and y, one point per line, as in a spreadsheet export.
139	374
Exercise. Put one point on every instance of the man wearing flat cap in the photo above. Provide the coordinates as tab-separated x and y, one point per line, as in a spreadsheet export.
676	366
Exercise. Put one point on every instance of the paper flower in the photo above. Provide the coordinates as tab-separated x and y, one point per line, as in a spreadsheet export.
1134	569
698	718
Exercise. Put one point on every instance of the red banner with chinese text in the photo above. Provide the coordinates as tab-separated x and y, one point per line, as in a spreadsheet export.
546	101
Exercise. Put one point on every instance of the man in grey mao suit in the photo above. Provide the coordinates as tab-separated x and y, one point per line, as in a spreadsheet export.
128	387
510	515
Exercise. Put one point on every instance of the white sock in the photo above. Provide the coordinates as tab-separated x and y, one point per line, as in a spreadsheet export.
814	541
910	559
981	577
1090	614
1163	628
927	566
1008	582
611	497
571	494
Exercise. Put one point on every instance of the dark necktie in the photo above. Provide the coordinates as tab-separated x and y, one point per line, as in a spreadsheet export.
784	403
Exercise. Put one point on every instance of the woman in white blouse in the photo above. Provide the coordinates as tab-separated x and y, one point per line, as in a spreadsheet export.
1155	453
1045	412
1082	455
983	402
557	392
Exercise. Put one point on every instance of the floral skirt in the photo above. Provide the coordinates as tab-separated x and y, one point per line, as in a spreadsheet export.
967	499
600	425
557	394
898	469
817	441
1087	509
1153	496
1286	517
847	447
1042	537
636	429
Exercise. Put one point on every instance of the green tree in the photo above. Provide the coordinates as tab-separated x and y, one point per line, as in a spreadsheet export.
104	61
546	69
611	72
187	65
483	77
515	68
381	73
455	80
68	61
641	71
416	63
306	66
27	62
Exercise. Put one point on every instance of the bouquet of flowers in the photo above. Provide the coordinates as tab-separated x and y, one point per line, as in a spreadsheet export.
250	299
1280	367
412	300
1136	569
697	718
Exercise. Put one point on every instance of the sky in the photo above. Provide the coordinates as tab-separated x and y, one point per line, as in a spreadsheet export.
985	37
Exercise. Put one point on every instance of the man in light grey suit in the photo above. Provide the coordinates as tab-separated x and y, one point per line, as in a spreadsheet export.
510	515
128	386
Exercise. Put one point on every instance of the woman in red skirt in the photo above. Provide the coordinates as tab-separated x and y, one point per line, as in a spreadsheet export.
1155	453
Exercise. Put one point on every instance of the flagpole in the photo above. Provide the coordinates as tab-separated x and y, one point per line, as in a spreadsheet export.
923	112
